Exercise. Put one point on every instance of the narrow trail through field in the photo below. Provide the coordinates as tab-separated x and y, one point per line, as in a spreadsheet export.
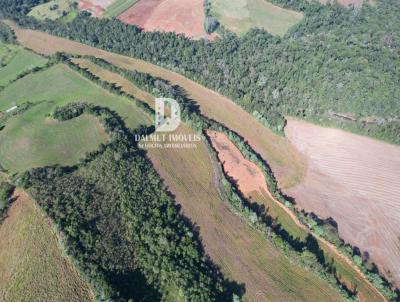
249	178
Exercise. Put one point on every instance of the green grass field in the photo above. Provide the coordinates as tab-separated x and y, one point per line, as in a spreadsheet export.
16	61
32	139
241	15
118	7
53	10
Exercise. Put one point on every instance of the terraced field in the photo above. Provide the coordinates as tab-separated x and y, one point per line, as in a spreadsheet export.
362	195
32	264
241	15
31	139
16	60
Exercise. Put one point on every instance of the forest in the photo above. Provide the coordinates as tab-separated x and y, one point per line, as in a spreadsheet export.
120	225
338	66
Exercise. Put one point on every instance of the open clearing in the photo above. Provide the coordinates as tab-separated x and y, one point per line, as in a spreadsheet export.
17	60
96	7
286	162
241	15
355	180
31	139
32	265
180	16
52	10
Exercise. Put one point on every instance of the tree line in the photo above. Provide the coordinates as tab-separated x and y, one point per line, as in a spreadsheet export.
341	60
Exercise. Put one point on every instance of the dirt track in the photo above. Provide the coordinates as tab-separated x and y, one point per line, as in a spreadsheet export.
355	180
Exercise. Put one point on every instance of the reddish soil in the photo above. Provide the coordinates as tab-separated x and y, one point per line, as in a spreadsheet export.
96	7
355	180
180	16
246	174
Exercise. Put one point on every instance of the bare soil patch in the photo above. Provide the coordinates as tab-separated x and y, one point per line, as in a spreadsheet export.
180	16
355	180
96	7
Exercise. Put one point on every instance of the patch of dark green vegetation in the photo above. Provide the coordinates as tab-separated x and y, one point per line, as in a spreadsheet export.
336	61
6	34
6	191
307	252
123	229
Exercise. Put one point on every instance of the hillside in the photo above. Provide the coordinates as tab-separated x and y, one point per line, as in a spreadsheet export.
33	265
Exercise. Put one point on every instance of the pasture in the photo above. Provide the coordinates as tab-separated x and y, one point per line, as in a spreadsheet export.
355	180
16	60
33	267
241	15
179	16
118	7
31	139
53	10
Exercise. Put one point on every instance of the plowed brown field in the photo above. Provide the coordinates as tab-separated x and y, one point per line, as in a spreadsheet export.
180	16
355	180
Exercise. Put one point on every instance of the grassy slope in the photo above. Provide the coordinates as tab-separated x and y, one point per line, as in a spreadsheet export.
32	265
118	7
239	16
43	11
31	139
20	61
